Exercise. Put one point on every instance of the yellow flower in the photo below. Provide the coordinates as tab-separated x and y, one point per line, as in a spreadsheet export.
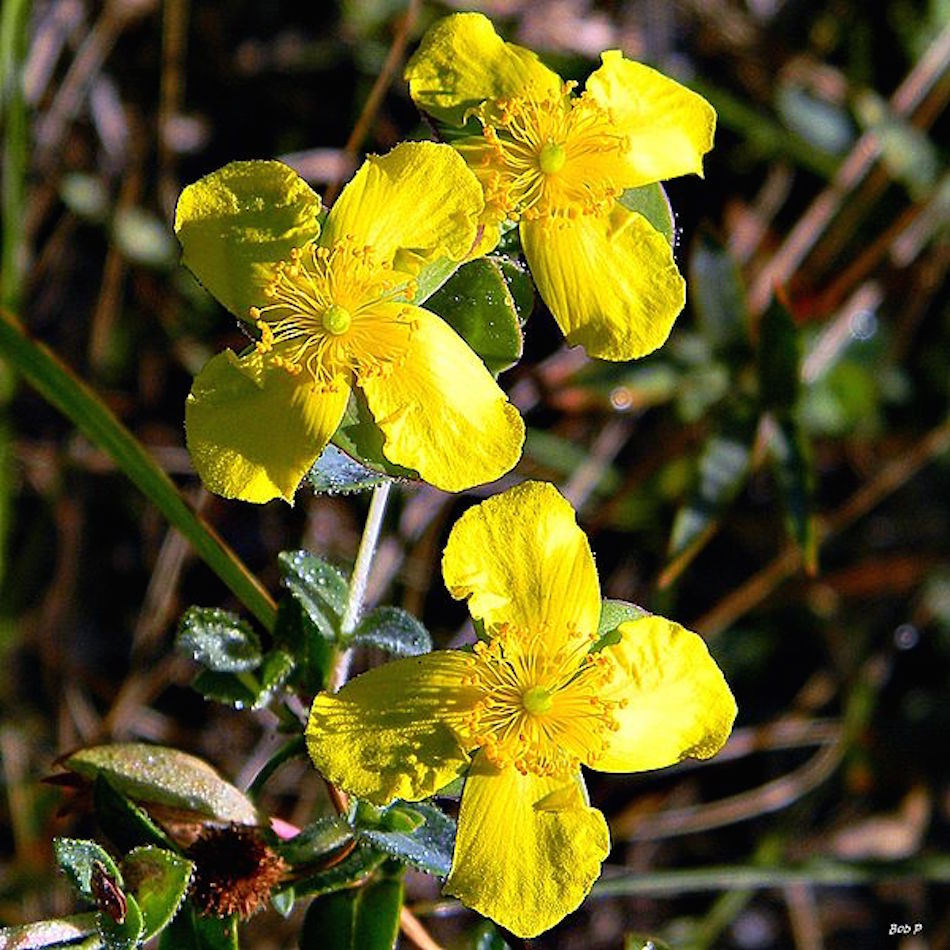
335	318
558	163
524	710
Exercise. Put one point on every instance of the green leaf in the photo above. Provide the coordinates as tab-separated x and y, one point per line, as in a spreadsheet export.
284	902
360	438
49	933
335	473
790	454
479	306
123	932
432	277
190	930
718	295
394	630
652	203
365	918
236	223
520	284
612	614
316	841
219	640
274	672
779	358
78	858
124	823
355	867
314	583
429	846
723	467
152	773
486	937
57	384
311	645
239	691
159	880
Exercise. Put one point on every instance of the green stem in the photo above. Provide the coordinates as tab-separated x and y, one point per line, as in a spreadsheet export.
358	580
61	387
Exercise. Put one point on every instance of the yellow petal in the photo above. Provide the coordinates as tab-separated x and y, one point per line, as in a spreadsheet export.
678	703
253	431
237	222
387	733
413	205
528	847
462	62
669	126
521	558
610	281
442	412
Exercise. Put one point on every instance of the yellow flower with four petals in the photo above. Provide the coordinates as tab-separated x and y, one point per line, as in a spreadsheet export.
335	317
540	696
557	163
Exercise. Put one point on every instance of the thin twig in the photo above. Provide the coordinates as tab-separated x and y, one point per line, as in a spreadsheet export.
412	927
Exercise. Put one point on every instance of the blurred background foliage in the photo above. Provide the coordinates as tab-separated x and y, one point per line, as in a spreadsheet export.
776	477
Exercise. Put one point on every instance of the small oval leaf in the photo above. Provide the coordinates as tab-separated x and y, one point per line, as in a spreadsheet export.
159	880
219	640
428	846
394	630
151	773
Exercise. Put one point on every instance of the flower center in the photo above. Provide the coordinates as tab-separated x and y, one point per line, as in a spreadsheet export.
552	158
336	319
556	157
334	311
537	700
541	711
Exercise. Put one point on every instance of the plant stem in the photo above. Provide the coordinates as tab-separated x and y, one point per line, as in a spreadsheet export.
358	581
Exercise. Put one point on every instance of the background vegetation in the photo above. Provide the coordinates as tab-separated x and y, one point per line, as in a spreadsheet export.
776	477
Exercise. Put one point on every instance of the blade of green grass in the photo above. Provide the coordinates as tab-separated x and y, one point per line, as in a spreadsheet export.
61	387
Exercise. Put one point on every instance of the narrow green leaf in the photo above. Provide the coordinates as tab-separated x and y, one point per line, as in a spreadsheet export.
49	933
152	773
335	473
723	467
57	384
790	454
122	932
394	630
78	858
360	438
316	841
355	867
314	583
123	822
365	918
477	303
652	203
219	640
159	881
779	358
428	846
718	294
